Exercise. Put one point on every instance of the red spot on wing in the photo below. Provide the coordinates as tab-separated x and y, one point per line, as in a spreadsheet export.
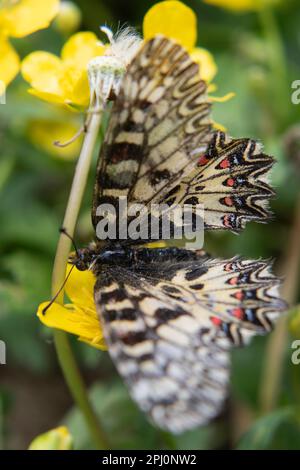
203	160
228	267
238	313
228	201
227	221
233	281
225	163
216	321
230	182
239	295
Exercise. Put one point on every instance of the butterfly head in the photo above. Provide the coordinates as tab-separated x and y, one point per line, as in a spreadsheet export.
83	259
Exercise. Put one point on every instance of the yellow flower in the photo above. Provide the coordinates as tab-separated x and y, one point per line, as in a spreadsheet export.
18	19
177	21
56	439
63	80
79	317
69	18
242	5
43	133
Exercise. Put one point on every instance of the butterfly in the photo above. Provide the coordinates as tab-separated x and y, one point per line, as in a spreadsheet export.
170	315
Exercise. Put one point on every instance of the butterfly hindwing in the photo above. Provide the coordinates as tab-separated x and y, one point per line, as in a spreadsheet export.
159	118
169	321
229	181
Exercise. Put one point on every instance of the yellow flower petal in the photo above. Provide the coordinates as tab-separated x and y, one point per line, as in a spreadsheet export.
9	61
222	99
44	132
72	320
56	439
79	318
219	127
49	97
27	16
242	5
98	342
206	61
172	19
211	88
43	71
160	244
80	288
81	48
74	83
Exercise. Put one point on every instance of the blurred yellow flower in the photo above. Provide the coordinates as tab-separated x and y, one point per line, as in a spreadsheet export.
18	19
79	317
63	80
69	18
56	439
242	5
44	132
175	20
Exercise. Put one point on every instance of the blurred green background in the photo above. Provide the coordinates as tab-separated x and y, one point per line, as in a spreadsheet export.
258	59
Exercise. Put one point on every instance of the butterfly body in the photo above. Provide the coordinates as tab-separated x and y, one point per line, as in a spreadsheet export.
95	256
170	315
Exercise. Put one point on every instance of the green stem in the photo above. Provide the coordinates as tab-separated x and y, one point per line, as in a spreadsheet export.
278	80
77	388
273	364
74	203
279	94
63	348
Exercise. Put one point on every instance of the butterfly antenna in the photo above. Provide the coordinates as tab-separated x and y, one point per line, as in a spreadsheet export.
63	230
58	292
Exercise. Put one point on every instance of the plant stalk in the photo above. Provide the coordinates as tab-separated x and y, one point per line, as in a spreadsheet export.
64	352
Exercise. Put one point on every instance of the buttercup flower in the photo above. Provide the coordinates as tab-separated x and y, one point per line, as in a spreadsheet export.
18	19
79	317
168	18
242	5
64	80
69	17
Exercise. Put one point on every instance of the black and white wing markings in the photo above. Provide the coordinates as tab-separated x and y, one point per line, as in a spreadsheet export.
230	181
159	118
170	325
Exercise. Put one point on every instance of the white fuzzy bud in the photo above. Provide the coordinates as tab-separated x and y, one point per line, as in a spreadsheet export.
105	77
106	72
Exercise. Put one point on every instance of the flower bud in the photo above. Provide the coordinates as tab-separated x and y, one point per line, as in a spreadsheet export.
105	76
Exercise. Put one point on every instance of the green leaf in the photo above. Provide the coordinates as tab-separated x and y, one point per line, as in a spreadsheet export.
279	430
125	425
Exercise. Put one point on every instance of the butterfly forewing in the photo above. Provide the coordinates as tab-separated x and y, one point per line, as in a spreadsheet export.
160	117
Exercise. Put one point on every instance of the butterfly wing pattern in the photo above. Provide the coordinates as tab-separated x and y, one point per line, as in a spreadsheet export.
170	316
170	320
230	181
160	117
